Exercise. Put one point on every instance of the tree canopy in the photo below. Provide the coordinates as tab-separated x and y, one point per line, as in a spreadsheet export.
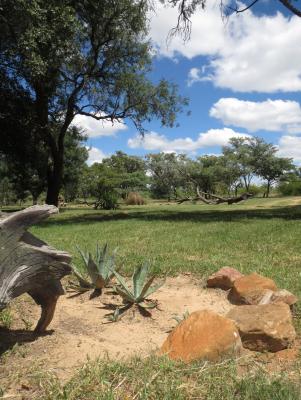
81	57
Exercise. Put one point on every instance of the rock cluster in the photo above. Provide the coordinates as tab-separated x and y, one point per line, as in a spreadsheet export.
260	321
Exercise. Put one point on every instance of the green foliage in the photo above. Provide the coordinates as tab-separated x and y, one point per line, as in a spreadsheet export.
87	58
6	318
167	178
185	238
76	156
107	199
97	273
140	289
153	378
113	179
129	171
292	188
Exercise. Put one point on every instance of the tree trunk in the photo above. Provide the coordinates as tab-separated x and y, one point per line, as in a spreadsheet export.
34	199
55	177
29	265
268	188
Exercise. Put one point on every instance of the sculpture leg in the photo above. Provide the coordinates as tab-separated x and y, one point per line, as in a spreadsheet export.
47	299
48	308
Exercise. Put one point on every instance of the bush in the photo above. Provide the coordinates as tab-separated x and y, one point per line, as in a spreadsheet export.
134	199
292	188
108	200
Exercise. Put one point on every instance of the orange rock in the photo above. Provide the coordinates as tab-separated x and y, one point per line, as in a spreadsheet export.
265	327
284	296
203	335
224	278
243	287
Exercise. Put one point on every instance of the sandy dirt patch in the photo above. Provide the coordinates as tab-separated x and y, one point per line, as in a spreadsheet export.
80	330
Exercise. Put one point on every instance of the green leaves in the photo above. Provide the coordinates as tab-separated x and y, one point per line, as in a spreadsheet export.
99	272
136	294
140	289
96	274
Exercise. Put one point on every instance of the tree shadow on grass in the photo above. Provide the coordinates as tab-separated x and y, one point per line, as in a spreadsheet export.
177	214
10	337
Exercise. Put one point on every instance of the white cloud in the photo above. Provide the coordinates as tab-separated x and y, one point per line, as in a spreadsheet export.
95	155
155	141
207	35
249	53
197	75
269	115
95	128
290	146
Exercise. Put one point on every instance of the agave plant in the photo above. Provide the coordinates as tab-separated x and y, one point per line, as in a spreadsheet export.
96	274
138	292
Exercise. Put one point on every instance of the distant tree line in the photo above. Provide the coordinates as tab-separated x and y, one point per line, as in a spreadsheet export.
168	176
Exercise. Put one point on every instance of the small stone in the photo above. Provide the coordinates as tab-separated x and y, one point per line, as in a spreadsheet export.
259	296
224	278
284	296
265	327
243	288
203	335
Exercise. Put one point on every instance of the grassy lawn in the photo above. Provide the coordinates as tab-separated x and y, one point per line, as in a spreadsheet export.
261	235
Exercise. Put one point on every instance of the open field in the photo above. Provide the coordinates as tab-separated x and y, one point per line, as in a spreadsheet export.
261	235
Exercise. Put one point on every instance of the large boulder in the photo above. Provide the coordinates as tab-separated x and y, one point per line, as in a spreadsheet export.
224	278
203	335
250	289
265	327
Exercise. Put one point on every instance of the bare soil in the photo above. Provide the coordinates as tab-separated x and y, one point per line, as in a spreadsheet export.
81	331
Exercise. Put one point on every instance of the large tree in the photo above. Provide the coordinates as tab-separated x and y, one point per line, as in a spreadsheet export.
240	153
166	177
131	172
85	57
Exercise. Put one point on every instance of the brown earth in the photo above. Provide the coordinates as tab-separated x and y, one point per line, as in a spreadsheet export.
80	330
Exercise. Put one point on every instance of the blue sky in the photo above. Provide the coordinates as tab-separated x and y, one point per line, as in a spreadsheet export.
243	77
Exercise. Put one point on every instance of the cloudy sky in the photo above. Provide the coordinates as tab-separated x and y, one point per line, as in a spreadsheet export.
243	77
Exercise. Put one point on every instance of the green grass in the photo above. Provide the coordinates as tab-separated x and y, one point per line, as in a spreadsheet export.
159	378
261	235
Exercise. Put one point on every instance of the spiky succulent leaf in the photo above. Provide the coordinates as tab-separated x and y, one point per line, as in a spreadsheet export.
146	287
83	282
92	269
125	294
106	265
153	289
139	277
123	285
149	304
98	254
78	288
85	256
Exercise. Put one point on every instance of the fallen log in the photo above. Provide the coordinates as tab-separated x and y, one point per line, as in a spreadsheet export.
29	265
209	198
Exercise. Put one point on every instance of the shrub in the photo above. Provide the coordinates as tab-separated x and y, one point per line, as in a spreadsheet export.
134	199
108	200
292	188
